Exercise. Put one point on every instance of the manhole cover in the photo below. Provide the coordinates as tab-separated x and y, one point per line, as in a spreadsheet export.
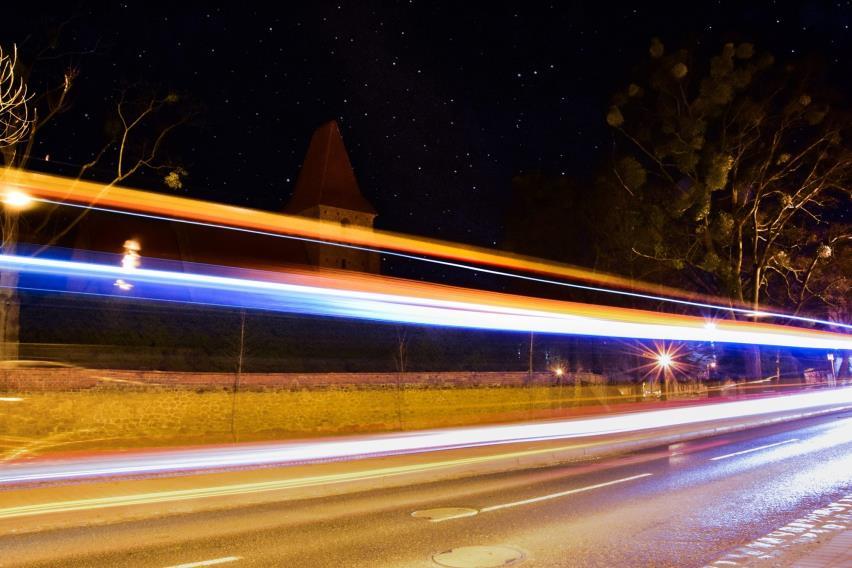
479	557
444	513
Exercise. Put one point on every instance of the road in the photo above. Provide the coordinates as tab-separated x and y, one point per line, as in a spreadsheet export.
680	505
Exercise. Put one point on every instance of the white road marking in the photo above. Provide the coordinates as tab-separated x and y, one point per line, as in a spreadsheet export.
249	488
439	514
542	497
212	562
451	517
757	449
562	493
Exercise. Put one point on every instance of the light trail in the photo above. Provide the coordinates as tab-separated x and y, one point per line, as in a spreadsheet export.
472	268
292	453
390	300
58	190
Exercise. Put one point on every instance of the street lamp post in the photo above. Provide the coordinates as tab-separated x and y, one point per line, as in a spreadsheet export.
559	372
664	362
832	378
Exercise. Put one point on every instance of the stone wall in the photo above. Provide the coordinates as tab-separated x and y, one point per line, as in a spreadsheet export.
63	409
116	417
74	378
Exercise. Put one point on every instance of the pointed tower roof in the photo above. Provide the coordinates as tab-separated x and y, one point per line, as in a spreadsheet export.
326	177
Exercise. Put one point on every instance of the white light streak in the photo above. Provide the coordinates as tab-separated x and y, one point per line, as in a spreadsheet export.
418	442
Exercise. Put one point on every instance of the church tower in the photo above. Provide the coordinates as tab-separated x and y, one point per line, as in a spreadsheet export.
327	189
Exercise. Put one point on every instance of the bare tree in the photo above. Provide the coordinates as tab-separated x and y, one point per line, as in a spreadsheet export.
238	374
15	125
135	143
14	102
400	357
142	119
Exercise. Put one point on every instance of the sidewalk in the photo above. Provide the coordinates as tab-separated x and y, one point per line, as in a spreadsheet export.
820	539
835	553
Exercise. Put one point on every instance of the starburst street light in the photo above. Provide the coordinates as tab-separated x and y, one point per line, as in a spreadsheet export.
664	364
664	360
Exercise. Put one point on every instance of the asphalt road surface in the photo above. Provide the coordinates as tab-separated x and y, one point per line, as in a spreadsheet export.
680	505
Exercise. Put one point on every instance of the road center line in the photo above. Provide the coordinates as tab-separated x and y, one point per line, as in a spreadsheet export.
212	562
93	503
562	493
757	449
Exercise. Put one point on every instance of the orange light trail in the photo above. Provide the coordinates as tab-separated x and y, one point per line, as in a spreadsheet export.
80	193
90	194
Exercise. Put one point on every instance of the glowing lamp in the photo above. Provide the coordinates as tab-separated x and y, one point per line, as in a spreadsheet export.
131	260
664	360
17	199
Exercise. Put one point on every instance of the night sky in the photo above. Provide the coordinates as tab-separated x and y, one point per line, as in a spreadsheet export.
440	104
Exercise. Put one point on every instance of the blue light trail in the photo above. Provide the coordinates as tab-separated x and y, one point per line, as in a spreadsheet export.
288	293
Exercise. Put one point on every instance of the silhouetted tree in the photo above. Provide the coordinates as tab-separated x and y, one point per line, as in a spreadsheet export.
735	174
